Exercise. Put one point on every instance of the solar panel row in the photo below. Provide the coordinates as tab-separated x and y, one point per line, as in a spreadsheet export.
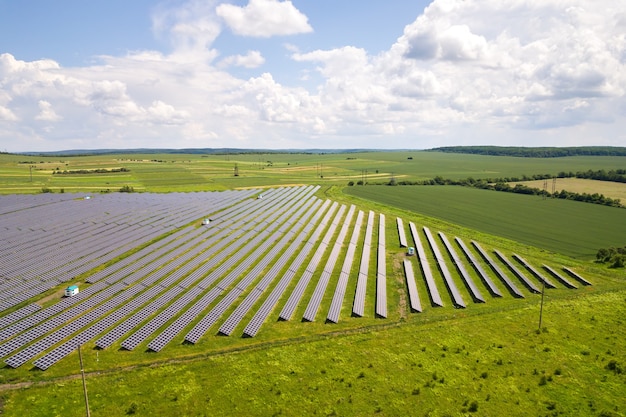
493	289
576	276
381	271
401	233
447	277
475	292
358	307
322	283
519	274
236	316
435	297
533	271
412	286
560	277
298	292
275	242
266	308
226	259
82	254
344	275
499	272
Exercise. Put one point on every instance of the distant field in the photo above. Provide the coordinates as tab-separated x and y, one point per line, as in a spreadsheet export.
580	185
572	228
195	172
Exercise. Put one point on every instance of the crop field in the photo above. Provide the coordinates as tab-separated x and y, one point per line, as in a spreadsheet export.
279	292
569	227
195	172
580	185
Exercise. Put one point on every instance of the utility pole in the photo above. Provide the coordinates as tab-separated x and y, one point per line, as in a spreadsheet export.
31	173
543	290
82	371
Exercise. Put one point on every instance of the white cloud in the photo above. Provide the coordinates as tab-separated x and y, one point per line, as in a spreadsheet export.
462	72
46	112
264	18
253	59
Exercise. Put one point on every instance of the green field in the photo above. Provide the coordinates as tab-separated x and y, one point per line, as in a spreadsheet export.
572	228
489	365
194	172
486	360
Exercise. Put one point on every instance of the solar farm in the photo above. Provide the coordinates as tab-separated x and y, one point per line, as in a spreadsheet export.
155	270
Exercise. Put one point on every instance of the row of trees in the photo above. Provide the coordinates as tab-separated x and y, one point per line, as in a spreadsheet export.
89	171
616	257
613	175
502	184
543	152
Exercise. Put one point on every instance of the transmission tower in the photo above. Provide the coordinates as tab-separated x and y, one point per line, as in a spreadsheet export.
236	170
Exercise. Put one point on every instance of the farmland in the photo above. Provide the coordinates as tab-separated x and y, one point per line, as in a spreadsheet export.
486	359
572	228
194	172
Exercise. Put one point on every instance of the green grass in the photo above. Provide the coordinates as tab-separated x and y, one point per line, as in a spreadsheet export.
572	228
195	172
494	364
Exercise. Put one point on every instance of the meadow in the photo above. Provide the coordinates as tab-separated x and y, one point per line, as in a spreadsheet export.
490	359
195	172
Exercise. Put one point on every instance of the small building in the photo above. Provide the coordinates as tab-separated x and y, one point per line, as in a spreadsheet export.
410	251
206	222
71	291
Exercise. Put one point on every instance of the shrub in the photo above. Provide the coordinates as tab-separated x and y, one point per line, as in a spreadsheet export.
127	189
473	407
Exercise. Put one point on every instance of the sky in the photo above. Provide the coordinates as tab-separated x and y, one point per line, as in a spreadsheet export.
302	74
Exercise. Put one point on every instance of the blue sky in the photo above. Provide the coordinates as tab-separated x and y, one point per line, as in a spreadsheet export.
303	74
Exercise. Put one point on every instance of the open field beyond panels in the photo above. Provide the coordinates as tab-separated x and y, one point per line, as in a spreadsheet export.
580	185
194	172
568	227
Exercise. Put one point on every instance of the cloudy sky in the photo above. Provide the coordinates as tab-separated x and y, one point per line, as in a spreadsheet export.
311	73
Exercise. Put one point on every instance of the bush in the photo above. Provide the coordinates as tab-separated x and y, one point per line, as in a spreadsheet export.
127	189
473	407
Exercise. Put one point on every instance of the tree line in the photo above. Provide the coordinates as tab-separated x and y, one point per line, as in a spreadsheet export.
539	152
89	171
502	184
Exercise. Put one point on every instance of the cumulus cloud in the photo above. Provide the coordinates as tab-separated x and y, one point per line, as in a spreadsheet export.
253	59
264	18
461	72
46	112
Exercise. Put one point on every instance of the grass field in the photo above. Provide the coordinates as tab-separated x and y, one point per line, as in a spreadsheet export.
580	185
569	227
194	172
491	365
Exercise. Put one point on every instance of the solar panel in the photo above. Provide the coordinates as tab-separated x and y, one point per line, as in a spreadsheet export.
576	276
454	292
499	272
358	307
320	289
428	276
298	292
560	277
342	283
410	282
266	308
533	271
476	295
401	233
528	283
493	289
381	271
